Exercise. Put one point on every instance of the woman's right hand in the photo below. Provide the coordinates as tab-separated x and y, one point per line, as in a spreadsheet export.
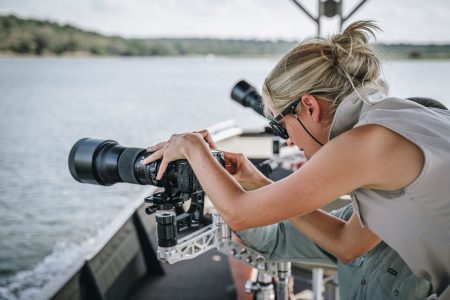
244	171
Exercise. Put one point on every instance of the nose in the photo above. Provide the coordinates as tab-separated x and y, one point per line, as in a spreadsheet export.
289	142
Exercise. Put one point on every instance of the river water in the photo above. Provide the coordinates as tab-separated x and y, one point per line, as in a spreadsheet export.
47	220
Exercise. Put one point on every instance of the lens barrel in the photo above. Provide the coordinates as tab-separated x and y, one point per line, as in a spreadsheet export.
105	162
246	95
83	160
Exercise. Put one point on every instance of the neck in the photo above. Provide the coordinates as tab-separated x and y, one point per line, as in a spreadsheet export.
307	131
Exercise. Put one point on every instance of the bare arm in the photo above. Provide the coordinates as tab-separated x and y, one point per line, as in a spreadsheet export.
370	156
345	240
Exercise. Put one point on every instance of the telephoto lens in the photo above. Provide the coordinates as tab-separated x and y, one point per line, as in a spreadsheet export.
246	95
105	162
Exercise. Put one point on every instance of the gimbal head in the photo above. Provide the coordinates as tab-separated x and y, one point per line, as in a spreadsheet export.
172	219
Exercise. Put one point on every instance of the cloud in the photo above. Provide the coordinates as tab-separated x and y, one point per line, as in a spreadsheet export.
401	20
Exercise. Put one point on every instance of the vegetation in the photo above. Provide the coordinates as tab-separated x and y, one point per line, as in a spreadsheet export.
32	37
407	51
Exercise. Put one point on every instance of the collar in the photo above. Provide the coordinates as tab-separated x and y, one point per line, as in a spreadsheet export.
350	109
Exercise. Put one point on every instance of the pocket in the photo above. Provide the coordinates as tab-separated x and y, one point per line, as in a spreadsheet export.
380	291
396	284
387	286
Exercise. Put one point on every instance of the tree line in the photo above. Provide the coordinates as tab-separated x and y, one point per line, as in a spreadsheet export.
35	37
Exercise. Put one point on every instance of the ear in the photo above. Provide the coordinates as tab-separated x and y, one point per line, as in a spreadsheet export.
311	107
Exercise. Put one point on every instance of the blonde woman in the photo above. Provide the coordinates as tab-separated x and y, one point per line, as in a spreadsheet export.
391	155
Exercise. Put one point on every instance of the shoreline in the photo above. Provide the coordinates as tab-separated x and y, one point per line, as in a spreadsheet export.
205	56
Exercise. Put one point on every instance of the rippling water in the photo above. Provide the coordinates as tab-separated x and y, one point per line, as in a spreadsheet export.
47	220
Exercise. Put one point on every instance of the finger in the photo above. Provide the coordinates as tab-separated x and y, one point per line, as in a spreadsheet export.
162	169
208	138
156	147
231	168
230	162
155	156
230	157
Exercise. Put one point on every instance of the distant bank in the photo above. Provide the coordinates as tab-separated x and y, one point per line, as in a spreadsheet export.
44	38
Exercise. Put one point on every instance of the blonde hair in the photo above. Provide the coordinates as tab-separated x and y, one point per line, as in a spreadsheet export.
327	68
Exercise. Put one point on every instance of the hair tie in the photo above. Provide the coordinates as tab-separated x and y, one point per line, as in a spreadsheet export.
334	56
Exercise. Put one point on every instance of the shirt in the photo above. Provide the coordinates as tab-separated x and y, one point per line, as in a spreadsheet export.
415	221
379	274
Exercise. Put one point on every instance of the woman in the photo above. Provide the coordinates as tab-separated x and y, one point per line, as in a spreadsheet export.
391	155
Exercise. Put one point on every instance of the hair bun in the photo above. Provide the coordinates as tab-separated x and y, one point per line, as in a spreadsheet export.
352	55
331	68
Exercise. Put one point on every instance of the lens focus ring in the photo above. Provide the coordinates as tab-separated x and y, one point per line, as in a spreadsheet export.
127	162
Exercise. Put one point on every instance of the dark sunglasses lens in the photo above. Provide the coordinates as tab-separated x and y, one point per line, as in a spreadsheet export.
279	130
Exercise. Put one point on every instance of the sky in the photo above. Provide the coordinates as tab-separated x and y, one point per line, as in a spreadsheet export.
402	21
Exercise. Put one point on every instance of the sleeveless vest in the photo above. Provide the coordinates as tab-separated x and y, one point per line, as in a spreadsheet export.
414	221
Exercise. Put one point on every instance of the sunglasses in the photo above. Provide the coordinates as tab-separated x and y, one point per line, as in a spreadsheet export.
277	128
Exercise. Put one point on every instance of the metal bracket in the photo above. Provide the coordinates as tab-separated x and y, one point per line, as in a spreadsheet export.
218	236
190	246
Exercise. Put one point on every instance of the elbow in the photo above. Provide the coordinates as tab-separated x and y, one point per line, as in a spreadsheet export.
238	218
349	251
237	221
237	225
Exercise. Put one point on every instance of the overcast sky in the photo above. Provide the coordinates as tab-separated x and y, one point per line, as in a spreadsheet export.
414	21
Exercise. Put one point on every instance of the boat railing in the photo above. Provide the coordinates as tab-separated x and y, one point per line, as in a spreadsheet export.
122	256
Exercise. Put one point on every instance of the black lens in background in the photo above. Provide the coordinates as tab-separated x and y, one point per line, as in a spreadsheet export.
246	95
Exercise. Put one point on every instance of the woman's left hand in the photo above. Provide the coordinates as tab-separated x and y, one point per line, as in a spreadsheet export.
174	148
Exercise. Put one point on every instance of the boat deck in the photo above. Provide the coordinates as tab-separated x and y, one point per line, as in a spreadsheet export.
124	264
203	278
206	277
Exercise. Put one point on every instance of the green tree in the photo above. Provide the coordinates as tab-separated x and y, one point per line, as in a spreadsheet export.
41	43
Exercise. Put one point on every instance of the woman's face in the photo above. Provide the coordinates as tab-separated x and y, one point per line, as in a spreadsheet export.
309	115
298	137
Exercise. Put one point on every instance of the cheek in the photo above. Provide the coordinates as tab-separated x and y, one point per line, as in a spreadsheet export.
294	136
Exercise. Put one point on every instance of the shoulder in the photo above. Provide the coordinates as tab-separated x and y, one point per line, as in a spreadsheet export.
388	160
370	141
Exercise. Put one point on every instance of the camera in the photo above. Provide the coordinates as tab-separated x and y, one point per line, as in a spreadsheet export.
182	232
105	162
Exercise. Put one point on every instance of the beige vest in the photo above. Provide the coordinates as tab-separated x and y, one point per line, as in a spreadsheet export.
416	220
